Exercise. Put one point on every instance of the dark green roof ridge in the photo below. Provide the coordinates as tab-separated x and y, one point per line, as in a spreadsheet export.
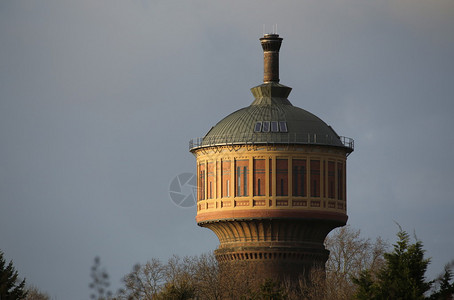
270	90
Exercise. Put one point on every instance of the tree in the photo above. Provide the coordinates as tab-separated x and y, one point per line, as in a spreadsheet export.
33	293
208	277
350	254
402	277
144	281
311	287
202	277
154	280
366	289
198	277
445	289
270	290
357	268
183	291
9	286
180	278
100	282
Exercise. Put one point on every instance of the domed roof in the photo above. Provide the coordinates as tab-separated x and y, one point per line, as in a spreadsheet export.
271	119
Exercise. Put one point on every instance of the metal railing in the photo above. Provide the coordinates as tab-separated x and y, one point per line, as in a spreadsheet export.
273	138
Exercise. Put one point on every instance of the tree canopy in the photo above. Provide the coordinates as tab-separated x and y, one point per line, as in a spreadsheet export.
402	276
10	287
357	268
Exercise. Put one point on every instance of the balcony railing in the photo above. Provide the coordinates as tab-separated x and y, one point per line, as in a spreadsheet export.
272	138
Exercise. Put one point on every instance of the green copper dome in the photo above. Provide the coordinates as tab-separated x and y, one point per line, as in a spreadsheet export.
272	119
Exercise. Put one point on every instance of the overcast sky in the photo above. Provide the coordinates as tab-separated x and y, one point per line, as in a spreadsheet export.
98	99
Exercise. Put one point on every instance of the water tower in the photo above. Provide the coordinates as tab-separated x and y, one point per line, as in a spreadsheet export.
272	180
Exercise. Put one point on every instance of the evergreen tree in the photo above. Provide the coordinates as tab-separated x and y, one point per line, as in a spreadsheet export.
446	288
269	290
366	289
402	277
9	286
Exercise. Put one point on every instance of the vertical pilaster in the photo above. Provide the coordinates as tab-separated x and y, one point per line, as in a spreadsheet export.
250	183
267	179
273	179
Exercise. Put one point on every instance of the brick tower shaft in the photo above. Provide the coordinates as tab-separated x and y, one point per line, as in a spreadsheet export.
271	44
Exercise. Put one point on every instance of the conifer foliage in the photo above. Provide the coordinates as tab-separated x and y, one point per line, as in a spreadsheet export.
10	288
445	285
358	268
402	277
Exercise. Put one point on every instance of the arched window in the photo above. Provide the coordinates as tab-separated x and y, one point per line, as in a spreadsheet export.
315	178
225	177
299	177
258	176
201	188
281	177
340	182
241	177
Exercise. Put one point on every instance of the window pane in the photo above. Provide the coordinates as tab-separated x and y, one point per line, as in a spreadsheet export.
299	177
211	179
225	177
281	177
258	127
283	126
274	127
259	177
331	179
241	185
315	178
340	181
238	181
245	173
270	179
201	182
266	126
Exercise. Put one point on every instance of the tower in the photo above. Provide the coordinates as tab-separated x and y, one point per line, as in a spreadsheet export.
272	180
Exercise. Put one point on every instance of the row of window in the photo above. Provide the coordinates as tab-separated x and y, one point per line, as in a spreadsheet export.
270	126
306	178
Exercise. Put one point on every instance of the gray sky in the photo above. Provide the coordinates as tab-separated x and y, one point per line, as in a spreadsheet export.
98	100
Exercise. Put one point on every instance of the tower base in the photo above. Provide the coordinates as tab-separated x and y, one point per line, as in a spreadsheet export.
275	263
276	249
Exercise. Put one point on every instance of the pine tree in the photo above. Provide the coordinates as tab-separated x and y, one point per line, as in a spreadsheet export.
366	289
446	288
9	286
402	277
